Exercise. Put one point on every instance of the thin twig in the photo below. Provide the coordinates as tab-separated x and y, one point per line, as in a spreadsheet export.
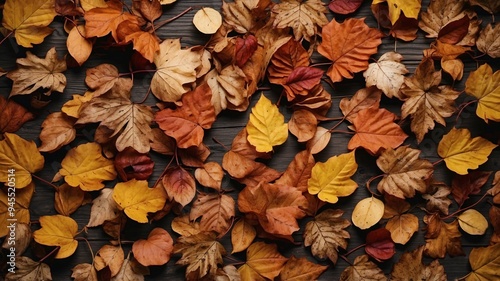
7	36
45	182
50	254
370	181
466	208
162	23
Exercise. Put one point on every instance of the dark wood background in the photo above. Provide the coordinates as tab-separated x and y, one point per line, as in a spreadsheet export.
226	127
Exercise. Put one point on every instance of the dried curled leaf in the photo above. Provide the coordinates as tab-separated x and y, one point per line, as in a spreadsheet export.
29	270
215	210
488	41
57	131
410	267
442	238
242	235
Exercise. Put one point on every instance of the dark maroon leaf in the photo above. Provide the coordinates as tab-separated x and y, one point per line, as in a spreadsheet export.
344	7
379	244
455	31
244	49
131	164
463	186
302	80
12	116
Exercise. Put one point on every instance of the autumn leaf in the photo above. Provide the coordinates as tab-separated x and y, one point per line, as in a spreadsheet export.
183	226
215	210
491	6
131	164
84	272
28	20
147	44
442	238
110	256
103	78
22	239
472	222
461	152
29	270
79	47
247	171
210	175
201	253
363	98
300	269
488	42
332	179
375	130
379	244
155	250
437	197
21	207
344	7
57	131
319	141
68	199
484	85
367	212
349	45
85	167
58	230
175	68
244	48
470	184
287	58
229	88
12	115
325	234
277	206
242	235
240	15
405	172
396	7
362	270
101	21
266	127
303	125
186	123
21	157
130	121
301	81
129	271
263	262
34	73
402	227
425	101
179	185
484	262
410	267
207	20
298	171
305	18
103	208
387	74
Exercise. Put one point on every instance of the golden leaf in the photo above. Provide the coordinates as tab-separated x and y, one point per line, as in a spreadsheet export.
21	207
78	46
367	212
300	269
242	235
263	261
473	222
111	257
207	20
484	85
409	8
485	263
58	230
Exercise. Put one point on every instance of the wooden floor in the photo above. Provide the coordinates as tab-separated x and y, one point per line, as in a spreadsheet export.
226	127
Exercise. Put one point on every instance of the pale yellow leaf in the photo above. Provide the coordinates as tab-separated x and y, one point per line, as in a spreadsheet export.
473	222
207	20
367	212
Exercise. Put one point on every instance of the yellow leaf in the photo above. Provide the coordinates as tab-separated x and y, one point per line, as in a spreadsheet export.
300	269
485	263
332	179
263	261
367	212
207	20
473	222
29	20
84	166
410	8
402	227
485	86
91	4
137	199
21	207
72	107
242	235
266	127
461	152
21	157
59	231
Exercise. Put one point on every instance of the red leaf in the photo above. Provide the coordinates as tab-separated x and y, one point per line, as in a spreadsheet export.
344	7
455	31
302	80
463	186
244	49
131	164
379	244
12	116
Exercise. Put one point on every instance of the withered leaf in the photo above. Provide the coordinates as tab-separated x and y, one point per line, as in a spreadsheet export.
103	208
84	272
488	41
57	131
387	74
210	175
22	214
131	164
100	22
29	270
303	17
103	78
379	244
491	6
111	257
362	270
363	98
238	15
344	7
437	197
484	262
127	272
303	125
246	170
12	115
68	199
215	210
300	269
155	250
287	58
179	185
263	262
242	235
410	267
462	186
229	88
298	171
442	238
78	46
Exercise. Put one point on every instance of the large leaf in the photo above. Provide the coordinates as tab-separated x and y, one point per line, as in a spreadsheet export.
29	270
484	85
21	207
397	7
58	230
101	21
485	263
300	269
263	262
442	237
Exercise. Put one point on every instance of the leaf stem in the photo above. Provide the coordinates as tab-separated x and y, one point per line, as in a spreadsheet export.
321	64
50	254
354	250
146	96
466	208
336	125
370	181
220	143
137	71
342	132
162	23
46	182
165	170
462	107
7	36
437	162
345	259
88	244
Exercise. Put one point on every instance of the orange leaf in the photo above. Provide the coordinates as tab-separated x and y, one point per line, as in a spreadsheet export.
246	170
215	210
300	269
442	238
288	57
299	171
180	185
263	261
242	235
156	250
100	22
12	116
364	98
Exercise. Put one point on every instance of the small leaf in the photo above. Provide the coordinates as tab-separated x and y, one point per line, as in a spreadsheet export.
367	212
210	175
103	208
59	231
68	199
109	256
207	20
300	269
473	222
179	185
242	235
57	131
363	270
29	270
12	115
156	250
84	272
379	244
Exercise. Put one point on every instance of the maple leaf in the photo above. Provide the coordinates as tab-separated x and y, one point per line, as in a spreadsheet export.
155	250
484	85
21	207
242	235
375	130
131	164
332	179
68	199
405	172
103	208
12	115
35	73
425	101
461	152
488	42
464	185
362	269
109	256
28	20
300	269
103	78
186	123
298	171
410	267
28	270
442	238
277	206
410	9
437	197
84	272
215	210
85	167
179	185
305	18
387	74
344	7
58	230
349	45
472	222
287	58
484	262
137	199
101	21
57	131
363	98
266	127
201	253
20	156
263	262
325	234
175	68
228	88
243	15
367	212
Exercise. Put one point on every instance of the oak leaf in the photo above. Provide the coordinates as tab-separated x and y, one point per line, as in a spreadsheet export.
179	185
21	207
29	270
379	244
367	212
34	73
155	250
57	131
85	167
349	45
29	20
461	152
362	270
470	184
207	20
242	235
425	101
247	171
101	21
387	74
276	206
12	115
305	18
129	271
103	208
484	85
325	234
21	157
175	68
215	210
266	127
68	199
410	267
488	41
472	222
364	98
58	230
405	172
298	171
442	238
344	7
437	197
375	130
485	263
103	78
131	122
332	179
263	262
300	269
137	199
109	256
396	7
79	47
84	272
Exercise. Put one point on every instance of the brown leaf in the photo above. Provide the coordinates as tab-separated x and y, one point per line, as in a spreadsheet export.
301	81
210	175
104	208
57	131
319	141
379	244
68	199
155	250
194	156
12	116
442	238
229	88
287	58
186	123
128	271
145	43
437	197
410	267
491	6
495	189
298	171
103	78
215	210
247	171
241	146
21	240
300	269
318	101
242	235
363	98
470	184
344	7
454	31
238	15
100	22
362	270
494	214
304	17
387	74
303	125
263	262
488	41
84	272
79	47
150	10
131	164
109	256
276	206
180	185
67	8
28	270
162	143
402	227
405	28
183	226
